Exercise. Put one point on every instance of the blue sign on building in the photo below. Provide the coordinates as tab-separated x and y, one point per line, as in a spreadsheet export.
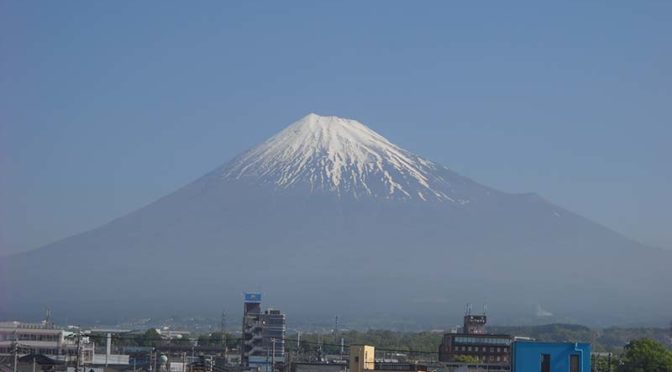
253	297
550	356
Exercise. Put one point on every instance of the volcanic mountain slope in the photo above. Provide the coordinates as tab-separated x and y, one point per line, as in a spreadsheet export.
328	217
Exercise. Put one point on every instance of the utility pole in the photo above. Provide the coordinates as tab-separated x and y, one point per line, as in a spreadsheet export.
222	329
267	357
108	348
222	322
298	345
79	350
342	347
15	351
273	356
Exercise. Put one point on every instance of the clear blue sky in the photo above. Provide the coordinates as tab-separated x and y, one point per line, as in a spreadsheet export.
107	105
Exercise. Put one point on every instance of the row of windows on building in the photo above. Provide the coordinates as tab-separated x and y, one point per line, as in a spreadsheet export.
7	351
482	349
30	337
483	340
491	358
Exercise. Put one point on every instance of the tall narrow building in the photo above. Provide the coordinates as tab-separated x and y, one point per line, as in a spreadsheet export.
263	341
274	327
252	340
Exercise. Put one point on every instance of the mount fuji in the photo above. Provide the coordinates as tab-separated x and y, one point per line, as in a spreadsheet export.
329	218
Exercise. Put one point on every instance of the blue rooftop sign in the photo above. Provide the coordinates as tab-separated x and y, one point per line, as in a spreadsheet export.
252	297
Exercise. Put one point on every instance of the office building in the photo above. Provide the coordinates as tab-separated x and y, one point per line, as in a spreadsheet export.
273	329
37	338
263	341
491	350
252	340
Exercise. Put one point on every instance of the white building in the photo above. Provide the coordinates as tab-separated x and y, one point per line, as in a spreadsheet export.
39	338
57	343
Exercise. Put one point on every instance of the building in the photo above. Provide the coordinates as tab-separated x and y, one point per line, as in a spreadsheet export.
363	359
263	341
493	351
252	340
273	329
550	356
45	341
35	338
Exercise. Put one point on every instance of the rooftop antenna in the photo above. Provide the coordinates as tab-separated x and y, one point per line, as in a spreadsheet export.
468	309
222	329
336	325
47	316
222	322
485	309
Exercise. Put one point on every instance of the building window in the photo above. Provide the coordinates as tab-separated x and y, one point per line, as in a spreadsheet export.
545	363
574	363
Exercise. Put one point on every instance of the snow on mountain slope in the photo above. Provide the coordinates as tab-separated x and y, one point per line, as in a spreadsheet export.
332	154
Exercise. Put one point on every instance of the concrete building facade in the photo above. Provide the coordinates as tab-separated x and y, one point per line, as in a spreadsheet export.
252	340
551	356
263	341
38	338
362	358
493	350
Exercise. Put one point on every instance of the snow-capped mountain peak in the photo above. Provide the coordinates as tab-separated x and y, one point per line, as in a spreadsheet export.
333	154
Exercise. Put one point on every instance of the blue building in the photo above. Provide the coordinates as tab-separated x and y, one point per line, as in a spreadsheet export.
531	356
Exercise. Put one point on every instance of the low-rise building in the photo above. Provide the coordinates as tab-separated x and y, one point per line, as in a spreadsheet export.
474	343
35	338
363	359
551	356
49	341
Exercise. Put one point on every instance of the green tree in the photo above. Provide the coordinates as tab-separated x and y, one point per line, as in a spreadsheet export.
601	364
217	339
203	340
183	341
645	355
150	338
